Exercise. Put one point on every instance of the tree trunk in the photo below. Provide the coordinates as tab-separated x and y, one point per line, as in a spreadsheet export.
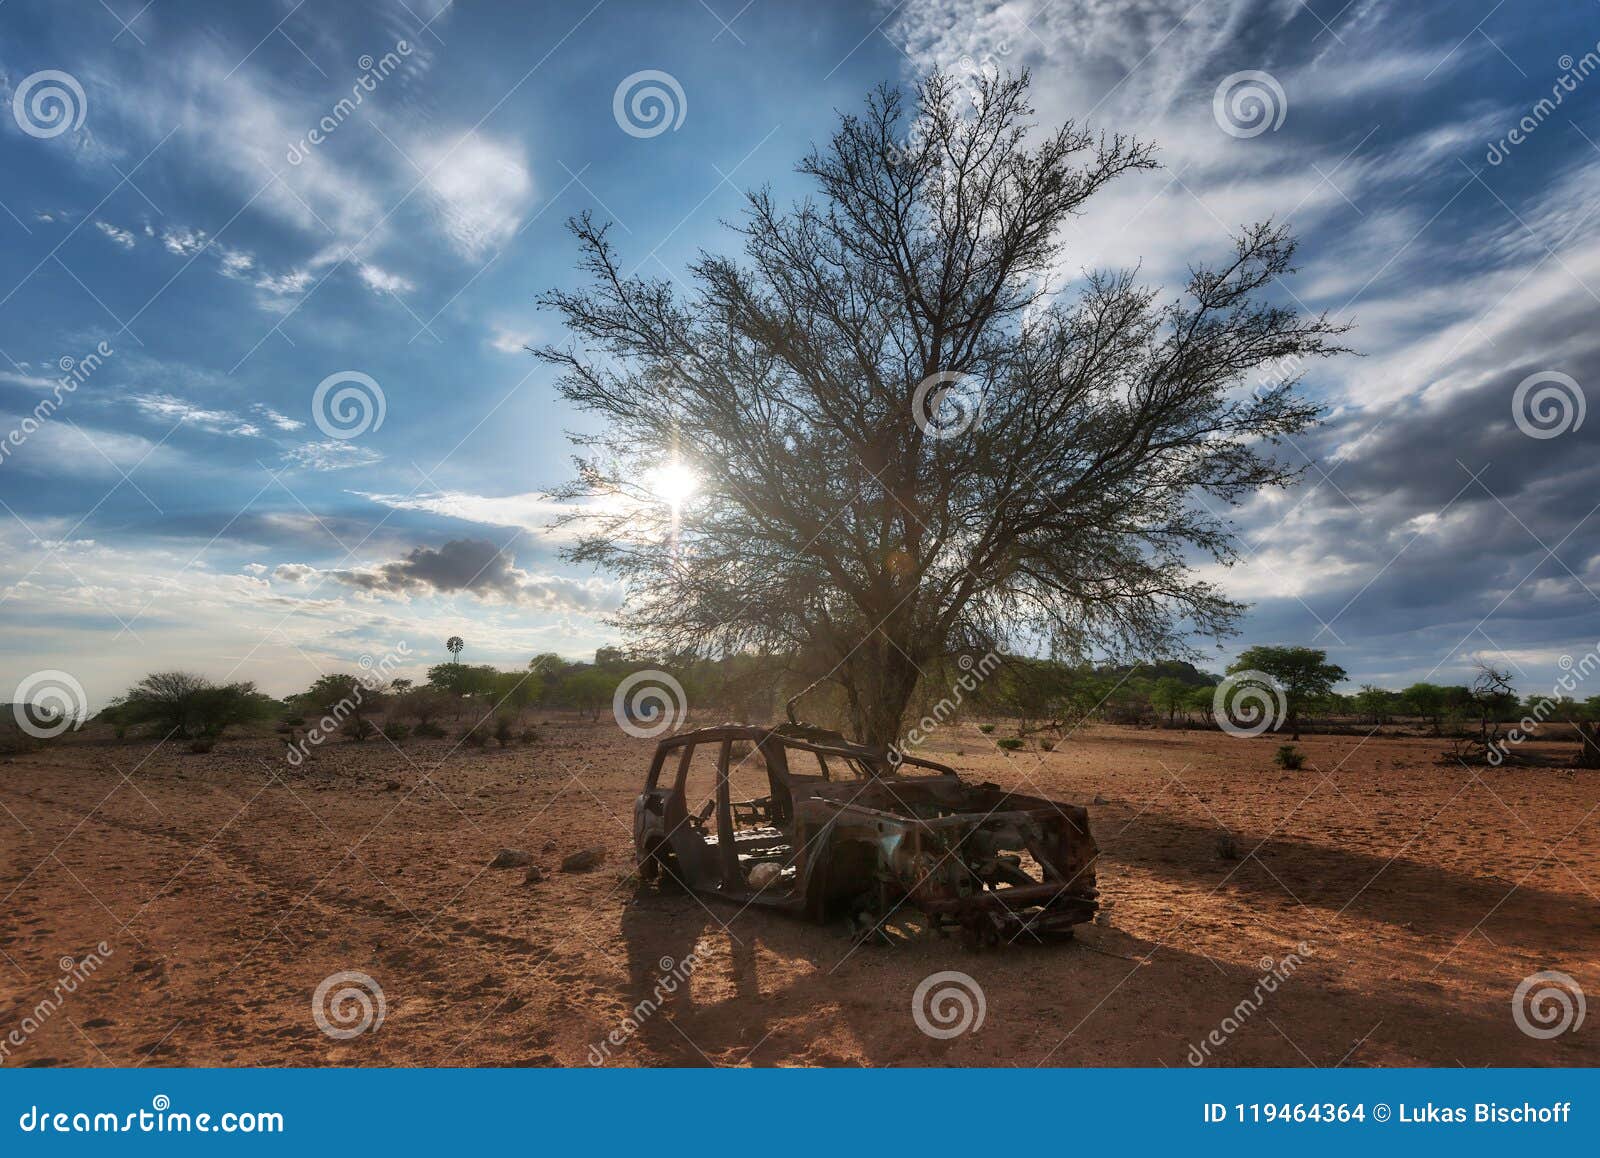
1589	744
882	680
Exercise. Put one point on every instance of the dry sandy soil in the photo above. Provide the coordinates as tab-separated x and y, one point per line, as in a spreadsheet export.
228	886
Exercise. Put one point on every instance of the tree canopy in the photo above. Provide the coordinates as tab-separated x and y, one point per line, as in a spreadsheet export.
911	439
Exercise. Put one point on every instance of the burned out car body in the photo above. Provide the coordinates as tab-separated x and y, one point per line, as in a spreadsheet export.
800	819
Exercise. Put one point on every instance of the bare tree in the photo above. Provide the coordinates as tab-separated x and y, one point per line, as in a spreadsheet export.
909	442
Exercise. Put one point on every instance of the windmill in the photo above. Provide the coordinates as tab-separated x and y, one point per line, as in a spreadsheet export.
454	645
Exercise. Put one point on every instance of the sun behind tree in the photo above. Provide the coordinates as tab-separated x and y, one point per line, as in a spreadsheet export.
907	443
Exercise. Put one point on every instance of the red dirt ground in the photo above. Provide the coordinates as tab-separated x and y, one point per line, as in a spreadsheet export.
228	886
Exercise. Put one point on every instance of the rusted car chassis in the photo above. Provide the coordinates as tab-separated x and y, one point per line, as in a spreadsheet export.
841	830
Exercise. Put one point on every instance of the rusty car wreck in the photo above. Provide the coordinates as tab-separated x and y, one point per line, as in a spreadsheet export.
800	819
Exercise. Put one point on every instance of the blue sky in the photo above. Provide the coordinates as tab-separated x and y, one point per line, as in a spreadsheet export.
182	507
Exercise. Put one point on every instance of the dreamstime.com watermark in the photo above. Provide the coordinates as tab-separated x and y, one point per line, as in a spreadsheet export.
972	676
74	972
47	703
160	1118
648	103
1574	673
372	72
1573	73
1273	974
1247	104
74	373
1248	703
348	1004
1548	404
947	404
948	1004
347	404
374	674
1548	1004
49	103
672	975
648	703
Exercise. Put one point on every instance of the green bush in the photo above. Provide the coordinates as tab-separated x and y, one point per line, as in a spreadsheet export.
1288	756
190	706
986	728
396	733
429	729
1010	743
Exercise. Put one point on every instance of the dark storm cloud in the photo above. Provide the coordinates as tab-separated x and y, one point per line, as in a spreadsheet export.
475	567
1447	530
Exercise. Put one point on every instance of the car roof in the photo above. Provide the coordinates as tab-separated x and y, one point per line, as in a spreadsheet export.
804	736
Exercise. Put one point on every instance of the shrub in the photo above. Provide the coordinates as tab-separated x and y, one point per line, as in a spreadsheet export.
429	730
191	706
503	733
986	728
476	735
1047	745
529	736
1227	846
396	732
1288	756
425	705
1010	743
343	702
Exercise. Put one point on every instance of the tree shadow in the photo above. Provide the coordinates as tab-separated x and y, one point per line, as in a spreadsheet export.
1396	890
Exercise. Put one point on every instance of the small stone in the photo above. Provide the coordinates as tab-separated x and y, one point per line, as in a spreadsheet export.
533	876
584	860
511	858
1098	799
764	874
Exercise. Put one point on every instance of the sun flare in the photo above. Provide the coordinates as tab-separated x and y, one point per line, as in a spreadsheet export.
673	483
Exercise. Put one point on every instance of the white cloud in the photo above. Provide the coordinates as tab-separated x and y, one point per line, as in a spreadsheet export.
235	263
530	511
120	236
479	188
381	281
169	408
331	454
511	341
289	284
183	241
30	380
276	420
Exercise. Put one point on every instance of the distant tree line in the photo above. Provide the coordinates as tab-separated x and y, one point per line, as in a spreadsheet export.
1035	696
